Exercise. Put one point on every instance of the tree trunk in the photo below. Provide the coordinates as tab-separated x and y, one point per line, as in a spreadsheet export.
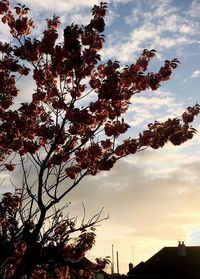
32	252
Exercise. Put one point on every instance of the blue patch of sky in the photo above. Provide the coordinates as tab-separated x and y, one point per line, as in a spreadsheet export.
119	24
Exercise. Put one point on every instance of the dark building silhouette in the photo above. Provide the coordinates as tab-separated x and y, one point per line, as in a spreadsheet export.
170	263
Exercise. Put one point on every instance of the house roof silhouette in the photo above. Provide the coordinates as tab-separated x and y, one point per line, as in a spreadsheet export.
170	262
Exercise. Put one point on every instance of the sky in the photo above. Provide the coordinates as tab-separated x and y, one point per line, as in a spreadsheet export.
153	197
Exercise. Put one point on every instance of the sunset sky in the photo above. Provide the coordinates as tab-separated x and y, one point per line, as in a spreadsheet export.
153	197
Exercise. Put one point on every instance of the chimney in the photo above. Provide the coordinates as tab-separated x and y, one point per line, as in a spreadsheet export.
181	249
130	267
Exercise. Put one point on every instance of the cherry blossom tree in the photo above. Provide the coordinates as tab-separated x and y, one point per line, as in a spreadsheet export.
73	126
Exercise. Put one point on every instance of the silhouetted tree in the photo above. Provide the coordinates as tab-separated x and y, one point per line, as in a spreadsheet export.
69	129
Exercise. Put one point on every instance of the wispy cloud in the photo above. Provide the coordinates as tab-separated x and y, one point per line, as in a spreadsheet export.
196	74
153	106
60	6
159	25
194	9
